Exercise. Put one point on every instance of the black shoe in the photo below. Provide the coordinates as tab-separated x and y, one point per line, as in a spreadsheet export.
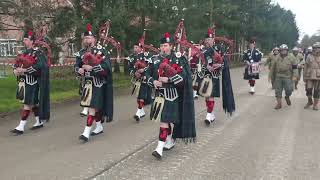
156	155
94	134
136	118
83	138
252	93
17	132
37	127
208	122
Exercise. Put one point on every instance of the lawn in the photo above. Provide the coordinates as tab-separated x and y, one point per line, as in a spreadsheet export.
63	85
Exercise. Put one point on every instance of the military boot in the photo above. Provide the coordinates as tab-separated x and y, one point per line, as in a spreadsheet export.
309	103
287	98
278	106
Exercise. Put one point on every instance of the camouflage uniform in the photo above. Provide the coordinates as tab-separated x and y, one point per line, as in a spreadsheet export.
282	72
312	77
270	60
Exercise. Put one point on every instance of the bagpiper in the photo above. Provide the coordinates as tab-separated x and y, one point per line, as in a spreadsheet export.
284	71
173	105
79	57
139	63
252	57
271	58
312	77
210	85
97	93
32	70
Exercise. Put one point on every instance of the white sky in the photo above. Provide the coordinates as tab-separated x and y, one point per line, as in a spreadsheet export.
307	14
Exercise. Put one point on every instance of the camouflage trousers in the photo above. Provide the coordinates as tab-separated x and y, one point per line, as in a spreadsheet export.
282	83
313	85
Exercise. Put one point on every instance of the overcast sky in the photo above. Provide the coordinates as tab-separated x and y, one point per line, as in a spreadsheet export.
307	14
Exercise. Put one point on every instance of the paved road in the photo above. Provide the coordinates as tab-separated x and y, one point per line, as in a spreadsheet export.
257	142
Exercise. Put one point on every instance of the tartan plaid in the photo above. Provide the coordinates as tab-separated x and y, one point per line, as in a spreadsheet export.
215	88
170	113
246	75
97	98
145	93
31	94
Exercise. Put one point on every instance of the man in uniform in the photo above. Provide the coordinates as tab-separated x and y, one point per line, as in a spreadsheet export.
272	57
312	77
33	89
174	103
214	62
139	63
284	72
250	57
299	59
95	67
88	44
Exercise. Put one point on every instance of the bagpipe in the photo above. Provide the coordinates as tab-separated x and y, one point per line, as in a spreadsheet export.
25	60
141	63
182	45
92	59
136	82
40	43
105	39
168	70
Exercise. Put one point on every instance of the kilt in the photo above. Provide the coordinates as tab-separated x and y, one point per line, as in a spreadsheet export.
31	94
170	113
145	93
246	75
216	87
282	83
97	98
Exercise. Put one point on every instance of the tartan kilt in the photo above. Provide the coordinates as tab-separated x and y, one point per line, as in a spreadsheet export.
97	98
170	113
145	93
246	75
31	94
216	87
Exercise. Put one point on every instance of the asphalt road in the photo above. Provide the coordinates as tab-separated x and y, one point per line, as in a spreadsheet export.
257	142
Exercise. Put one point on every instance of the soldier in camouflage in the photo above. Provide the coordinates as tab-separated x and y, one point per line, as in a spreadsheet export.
312	77
272	57
283	72
299	59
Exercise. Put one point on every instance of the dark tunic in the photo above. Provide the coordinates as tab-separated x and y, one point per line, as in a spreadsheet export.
101	80
180	111
36	80
209	54
145	90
